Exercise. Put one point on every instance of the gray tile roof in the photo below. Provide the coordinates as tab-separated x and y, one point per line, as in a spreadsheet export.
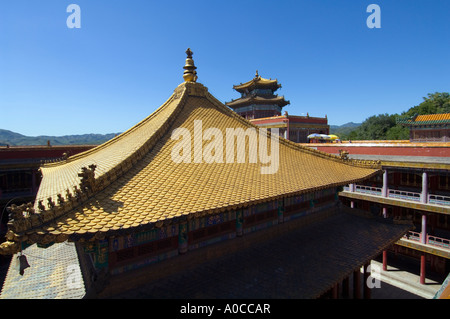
303	263
54	273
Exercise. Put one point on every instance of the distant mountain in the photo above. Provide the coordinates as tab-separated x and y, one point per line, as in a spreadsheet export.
16	139
343	130
349	124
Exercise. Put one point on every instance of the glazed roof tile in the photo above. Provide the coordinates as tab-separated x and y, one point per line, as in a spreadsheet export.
433	117
138	184
251	99
427	119
257	82
300	262
54	273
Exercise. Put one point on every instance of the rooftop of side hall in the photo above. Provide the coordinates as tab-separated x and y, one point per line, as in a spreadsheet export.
393	153
406	165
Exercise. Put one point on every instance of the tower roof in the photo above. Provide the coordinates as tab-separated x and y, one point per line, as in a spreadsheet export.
257	82
132	182
255	99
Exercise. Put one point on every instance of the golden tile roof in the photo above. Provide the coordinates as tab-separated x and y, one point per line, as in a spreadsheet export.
137	184
257	82
433	117
427	119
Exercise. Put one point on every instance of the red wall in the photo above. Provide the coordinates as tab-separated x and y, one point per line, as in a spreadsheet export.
31	152
409	150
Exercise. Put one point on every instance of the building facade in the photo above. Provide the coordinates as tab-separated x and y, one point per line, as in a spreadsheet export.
19	171
261	106
415	185
428	128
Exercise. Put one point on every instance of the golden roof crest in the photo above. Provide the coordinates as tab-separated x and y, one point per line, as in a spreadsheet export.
190	75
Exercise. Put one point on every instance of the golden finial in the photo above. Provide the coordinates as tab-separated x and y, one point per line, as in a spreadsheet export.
190	75
256	75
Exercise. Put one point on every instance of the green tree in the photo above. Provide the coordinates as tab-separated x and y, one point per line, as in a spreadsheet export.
397	132
435	103
385	127
375	127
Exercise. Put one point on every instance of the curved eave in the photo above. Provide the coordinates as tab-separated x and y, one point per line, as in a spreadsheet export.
49	233
437	122
256	83
279	100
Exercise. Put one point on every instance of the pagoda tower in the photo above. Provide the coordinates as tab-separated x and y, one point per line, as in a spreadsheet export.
258	98
262	107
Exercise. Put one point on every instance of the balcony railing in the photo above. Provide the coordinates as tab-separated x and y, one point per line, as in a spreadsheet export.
393	193
400	194
439	199
430	240
368	190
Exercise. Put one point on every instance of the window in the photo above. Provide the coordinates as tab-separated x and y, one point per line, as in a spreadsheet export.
258	218
152	248
211	231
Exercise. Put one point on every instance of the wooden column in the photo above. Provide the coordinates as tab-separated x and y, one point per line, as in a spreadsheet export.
335	292
384	212
384	191
422	269
356	284
423	234
346	287
384	260
424	195
384	251
366	273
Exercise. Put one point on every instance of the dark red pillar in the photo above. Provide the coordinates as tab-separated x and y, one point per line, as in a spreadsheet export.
422	269
384	260
335	292
346	288
356	284
367	290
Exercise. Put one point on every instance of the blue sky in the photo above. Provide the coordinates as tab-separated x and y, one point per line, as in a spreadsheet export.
127	58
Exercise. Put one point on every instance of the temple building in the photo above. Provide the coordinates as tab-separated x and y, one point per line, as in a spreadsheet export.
19	169
19	172
261	106
428	127
258	98
180	203
415	185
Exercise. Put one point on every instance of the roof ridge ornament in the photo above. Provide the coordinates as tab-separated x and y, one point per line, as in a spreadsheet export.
189	75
